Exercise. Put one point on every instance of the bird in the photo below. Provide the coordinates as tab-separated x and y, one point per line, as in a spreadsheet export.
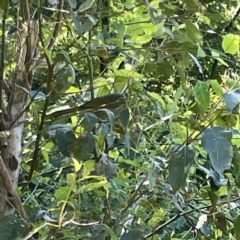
114	102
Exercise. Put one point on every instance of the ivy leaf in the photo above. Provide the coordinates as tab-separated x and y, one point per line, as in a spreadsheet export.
217	142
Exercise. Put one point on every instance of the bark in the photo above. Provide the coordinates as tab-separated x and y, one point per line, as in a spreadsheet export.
14	121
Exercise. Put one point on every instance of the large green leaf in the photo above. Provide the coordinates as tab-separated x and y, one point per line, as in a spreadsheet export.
179	165
217	142
231	43
202	95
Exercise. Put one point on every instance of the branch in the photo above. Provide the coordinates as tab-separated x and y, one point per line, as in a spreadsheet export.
183	214
49	88
57	26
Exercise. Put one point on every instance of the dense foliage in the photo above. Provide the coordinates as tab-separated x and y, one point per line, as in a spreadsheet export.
156	155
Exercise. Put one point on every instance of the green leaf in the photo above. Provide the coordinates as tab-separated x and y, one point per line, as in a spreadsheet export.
193	32
179	165
217	142
120	27
86	5
141	39
232	99
94	185
88	167
128	74
63	193
202	95
71	177
157	217
237	228
201	52
230	43
216	87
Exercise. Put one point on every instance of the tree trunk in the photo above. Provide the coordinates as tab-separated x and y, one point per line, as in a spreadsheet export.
14	117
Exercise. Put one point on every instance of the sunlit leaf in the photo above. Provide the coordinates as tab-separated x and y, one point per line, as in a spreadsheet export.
128	74
231	43
88	167
77	164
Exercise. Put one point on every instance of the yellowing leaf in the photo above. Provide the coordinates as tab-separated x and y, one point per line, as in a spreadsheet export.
77	164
